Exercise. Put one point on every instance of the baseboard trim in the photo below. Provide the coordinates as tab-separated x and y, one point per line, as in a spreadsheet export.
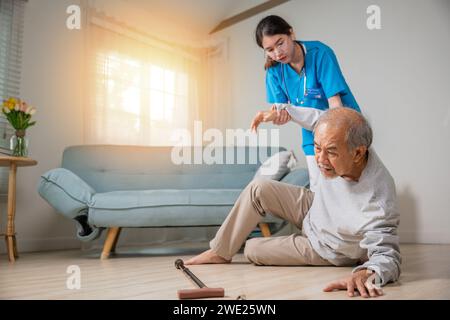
34	245
62	243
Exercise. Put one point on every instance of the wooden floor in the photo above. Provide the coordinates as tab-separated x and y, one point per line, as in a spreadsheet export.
150	274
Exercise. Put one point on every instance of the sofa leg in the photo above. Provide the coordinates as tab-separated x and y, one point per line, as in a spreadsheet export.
113	248
111	240
264	227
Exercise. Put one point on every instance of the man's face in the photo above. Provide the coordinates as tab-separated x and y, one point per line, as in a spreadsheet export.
332	154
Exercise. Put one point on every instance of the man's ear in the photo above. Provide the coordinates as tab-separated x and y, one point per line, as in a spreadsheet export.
359	153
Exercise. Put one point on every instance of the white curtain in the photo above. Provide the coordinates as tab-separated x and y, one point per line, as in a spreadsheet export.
217	100
140	89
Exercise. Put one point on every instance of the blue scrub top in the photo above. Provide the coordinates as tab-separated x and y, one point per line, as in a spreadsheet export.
324	79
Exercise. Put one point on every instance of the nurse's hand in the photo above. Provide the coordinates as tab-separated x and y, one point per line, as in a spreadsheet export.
263	116
283	117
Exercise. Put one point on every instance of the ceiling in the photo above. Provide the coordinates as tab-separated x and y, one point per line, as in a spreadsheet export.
186	22
200	16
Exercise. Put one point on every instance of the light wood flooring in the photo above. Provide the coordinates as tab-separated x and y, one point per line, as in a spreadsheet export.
150	274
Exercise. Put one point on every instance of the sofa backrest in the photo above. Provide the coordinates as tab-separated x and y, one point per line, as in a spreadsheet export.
111	167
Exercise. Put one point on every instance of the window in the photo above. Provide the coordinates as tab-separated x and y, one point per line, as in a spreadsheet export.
141	99
11	31
140	93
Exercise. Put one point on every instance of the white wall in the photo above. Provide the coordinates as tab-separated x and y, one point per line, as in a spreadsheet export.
400	75
51	81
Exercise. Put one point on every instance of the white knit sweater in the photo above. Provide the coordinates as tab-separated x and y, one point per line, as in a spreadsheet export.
352	221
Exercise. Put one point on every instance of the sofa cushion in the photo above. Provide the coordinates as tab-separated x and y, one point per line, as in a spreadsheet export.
298	177
277	166
166	197
66	192
159	208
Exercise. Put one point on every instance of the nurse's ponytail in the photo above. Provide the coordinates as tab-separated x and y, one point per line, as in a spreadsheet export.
270	26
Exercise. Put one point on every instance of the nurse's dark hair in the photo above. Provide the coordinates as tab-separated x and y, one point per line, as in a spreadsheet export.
270	26
359	132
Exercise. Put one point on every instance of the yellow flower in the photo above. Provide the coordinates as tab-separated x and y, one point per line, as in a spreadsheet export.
10	103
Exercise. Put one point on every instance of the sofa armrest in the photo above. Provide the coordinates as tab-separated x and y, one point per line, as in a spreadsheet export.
69	195
298	176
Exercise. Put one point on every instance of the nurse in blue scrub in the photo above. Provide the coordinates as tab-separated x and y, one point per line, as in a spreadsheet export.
301	73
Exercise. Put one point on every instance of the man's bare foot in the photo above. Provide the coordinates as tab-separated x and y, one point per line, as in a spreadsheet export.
207	257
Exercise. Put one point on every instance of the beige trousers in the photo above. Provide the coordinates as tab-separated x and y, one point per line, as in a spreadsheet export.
283	200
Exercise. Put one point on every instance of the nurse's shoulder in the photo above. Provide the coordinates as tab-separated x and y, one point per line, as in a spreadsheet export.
318	47
274	72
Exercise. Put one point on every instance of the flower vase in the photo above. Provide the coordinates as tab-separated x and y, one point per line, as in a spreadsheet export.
19	144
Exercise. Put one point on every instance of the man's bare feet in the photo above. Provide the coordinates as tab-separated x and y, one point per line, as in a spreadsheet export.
207	257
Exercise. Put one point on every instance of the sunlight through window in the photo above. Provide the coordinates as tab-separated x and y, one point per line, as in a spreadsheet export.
126	90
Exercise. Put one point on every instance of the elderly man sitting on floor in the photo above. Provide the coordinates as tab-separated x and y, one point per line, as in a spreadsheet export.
350	220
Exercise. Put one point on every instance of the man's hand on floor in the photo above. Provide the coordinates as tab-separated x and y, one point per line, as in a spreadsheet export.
362	281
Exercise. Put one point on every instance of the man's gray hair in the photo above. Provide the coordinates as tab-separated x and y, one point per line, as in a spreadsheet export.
359	132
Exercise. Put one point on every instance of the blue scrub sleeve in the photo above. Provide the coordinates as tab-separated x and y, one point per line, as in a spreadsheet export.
274	91
329	74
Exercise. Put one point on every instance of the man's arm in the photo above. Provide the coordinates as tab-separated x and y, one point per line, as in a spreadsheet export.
382	244
335	101
281	113
284	117
306	117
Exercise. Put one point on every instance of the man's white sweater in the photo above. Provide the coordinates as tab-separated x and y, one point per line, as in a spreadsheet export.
353	221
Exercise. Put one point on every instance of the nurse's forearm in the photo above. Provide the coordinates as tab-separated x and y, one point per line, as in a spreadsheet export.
306	117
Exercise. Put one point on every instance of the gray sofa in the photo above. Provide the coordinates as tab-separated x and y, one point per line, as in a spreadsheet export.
114	187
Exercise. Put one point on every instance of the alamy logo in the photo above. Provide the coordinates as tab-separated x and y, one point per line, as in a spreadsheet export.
190	149
73	282
374	19
74	19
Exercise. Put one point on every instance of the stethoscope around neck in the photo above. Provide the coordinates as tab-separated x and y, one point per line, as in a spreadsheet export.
302	73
